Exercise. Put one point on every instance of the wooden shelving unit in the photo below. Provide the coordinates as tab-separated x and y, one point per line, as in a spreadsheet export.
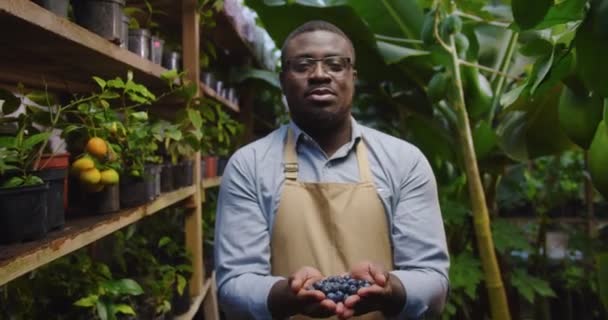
18	259
43	51
211	182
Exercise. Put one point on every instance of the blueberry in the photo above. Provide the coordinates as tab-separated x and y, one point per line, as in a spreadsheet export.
339	296
318	285
331	296
352	289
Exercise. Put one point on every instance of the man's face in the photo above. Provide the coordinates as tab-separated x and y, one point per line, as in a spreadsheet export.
319	93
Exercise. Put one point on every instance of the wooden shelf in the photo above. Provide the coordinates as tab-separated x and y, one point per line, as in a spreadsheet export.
208	92
196	302
18	259
40	48
211	182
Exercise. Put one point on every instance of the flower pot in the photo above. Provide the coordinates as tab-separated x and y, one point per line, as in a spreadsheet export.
221	165
203	167
156	49
171	60
23	212
210	166
56	202
166	178
56	161
152	180
58	7
180	304
85	203
188	169
124	32
139	42
103	17
133	192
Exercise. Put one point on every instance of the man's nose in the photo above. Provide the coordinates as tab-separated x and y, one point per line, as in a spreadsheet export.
318	72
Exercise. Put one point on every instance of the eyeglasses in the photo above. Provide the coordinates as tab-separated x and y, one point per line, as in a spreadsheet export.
334	66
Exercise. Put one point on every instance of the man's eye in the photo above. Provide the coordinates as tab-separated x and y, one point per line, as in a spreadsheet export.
301	65
334	64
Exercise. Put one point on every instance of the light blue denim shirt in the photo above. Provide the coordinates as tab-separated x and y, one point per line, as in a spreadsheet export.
249	198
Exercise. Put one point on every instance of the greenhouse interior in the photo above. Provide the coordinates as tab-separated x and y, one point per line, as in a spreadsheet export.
304	159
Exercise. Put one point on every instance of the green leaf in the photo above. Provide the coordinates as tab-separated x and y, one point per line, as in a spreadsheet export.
104	104
181	284
195	118
602	277
100	82
465	273
269	77
130	287
529	286
8	142
394	54
11	102
528	14
163	241
396	18
124	309
563	12
42	98
484	139
35	139
13	182
508	237
141	115
541	70
169	75
116	83
102	310
87	301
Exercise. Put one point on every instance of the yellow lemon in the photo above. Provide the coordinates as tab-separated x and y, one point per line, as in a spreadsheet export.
90	176
109	176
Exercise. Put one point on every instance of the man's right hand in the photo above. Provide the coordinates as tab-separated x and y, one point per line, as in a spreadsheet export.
295	296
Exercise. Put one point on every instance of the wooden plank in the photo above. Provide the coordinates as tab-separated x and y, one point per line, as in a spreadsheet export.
50	50
194	233
215	96
196	303
18	259
210	303
211	182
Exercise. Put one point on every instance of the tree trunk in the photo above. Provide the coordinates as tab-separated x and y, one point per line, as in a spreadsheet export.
499	306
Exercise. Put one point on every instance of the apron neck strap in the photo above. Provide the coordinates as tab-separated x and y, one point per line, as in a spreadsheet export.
291	159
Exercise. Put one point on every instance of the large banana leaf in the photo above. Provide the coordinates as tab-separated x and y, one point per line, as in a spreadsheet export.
372	61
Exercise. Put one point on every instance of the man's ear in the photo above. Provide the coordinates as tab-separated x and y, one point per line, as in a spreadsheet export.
282	79
354	75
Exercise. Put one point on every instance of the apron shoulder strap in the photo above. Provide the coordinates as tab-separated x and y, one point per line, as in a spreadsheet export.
365	171
290	167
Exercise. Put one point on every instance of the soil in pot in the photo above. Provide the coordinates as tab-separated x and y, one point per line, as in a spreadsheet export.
23	212
103	17
139	42
166	178
58	7
133	192
56	179
156	49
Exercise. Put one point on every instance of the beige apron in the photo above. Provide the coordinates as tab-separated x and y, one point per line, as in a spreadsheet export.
330	226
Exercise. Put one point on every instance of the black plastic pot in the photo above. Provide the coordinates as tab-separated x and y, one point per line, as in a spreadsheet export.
188	168
139	42
180	304
55	178
124	33
133	192
103	17
156	49
23	212
58	7
152	179
172	60
105	201
166	178
179	180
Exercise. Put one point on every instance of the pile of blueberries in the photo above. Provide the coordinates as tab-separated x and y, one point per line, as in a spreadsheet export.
338	288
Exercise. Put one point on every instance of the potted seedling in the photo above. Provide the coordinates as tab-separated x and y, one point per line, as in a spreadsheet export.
103	17
144	39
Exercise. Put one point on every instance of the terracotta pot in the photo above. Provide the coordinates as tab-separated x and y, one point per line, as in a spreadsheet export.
210	166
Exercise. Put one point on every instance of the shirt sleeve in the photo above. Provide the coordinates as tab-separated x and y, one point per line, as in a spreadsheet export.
242	244
420	250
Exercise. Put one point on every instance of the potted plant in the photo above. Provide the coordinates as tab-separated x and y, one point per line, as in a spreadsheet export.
144	38
103	17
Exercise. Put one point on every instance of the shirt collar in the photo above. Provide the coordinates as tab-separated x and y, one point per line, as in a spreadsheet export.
300	135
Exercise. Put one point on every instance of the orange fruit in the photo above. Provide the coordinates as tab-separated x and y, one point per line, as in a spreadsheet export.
109	176
90	176
97	147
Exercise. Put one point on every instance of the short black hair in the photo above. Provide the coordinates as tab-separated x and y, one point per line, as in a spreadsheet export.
315	25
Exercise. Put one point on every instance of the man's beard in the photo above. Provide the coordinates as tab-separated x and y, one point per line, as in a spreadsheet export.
318	121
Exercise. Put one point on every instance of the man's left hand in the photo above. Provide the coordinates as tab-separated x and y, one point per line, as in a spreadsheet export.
386	294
